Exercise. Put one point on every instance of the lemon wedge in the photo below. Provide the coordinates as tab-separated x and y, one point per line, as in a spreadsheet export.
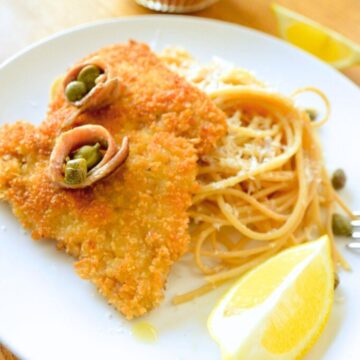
320	41
279	309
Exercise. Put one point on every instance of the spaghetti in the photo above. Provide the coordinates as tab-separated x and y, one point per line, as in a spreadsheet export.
264	188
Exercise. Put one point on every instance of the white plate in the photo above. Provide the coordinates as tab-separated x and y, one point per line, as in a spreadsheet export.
46	311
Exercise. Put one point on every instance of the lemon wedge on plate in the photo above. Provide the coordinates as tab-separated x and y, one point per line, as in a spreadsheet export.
320	41
279	309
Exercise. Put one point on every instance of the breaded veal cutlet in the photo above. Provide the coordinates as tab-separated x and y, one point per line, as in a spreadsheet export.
127	229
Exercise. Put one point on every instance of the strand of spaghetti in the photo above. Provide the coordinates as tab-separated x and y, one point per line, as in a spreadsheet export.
311	190
254	151
265	192
328	220
342	204
248	132
327	186
318	92
329	191
275	163
244	244
256	204
282	197
200	240
293	239
279	200
226	242
243	208
214	243
314	213
234	262
245	220
330	232
213	284
336	255
271	154
266	226
292	220
195	230
264	184
316	148
239	253
333	195
341	260
287	204
216	169
300	239
253	219
249	219
237	271
258	195
207	218
183	298
274	176
247	95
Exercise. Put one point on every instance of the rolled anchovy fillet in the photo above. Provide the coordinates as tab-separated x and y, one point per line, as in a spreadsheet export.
73	139
106	90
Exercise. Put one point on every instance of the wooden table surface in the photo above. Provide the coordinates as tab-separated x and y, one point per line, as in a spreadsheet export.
24	21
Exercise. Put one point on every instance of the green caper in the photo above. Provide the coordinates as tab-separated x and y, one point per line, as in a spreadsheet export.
75	171
75	90
341	225
336	280
91	154
338	179
312	113
88	75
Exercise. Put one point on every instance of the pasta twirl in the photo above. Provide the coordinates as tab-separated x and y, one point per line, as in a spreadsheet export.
265	186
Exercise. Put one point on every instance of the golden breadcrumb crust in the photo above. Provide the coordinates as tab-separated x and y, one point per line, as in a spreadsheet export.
128	229
154	97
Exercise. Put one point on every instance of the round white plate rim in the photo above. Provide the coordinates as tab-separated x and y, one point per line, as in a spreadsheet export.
186	18
173	18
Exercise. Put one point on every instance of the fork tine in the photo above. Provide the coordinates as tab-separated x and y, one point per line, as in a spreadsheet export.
355	223
354	245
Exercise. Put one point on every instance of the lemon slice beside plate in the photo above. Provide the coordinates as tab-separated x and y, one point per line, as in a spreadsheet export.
279	309
320	41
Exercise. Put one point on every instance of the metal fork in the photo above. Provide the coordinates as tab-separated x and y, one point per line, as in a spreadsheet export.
355	244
